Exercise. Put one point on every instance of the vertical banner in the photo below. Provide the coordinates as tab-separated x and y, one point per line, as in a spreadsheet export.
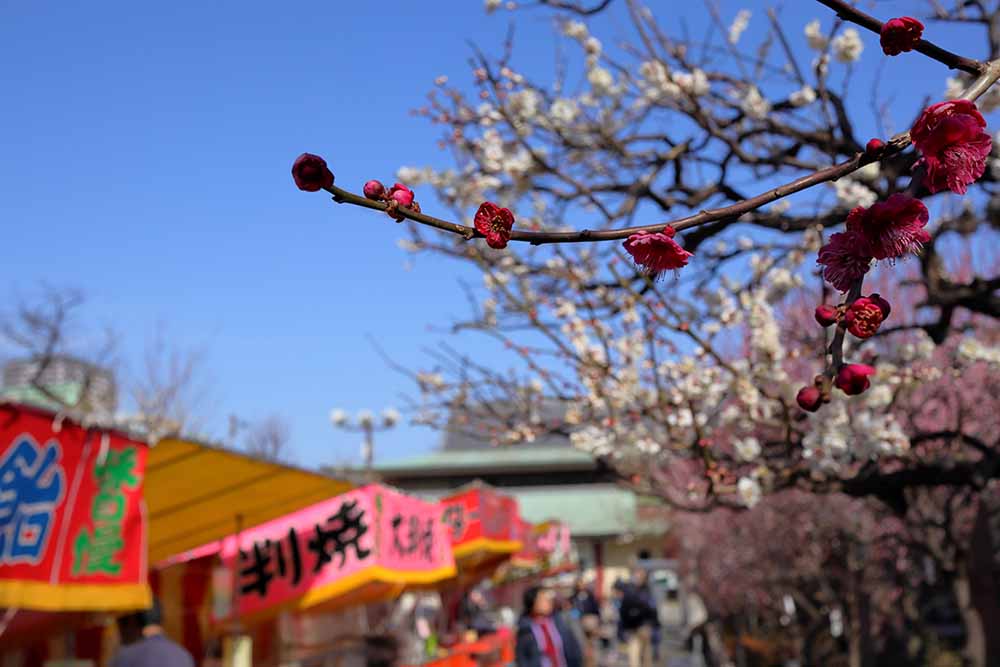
72	521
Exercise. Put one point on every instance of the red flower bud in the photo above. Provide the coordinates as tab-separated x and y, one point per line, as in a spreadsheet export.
874	146
311	173
853	378
374	190
809	399
401	194
826	315
863	317
900	34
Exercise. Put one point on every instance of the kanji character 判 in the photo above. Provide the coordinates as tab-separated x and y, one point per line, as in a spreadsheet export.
341	532
268	560
31	487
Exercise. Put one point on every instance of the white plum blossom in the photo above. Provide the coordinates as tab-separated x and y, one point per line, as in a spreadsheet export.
338	417
971	350
601	80
576	30
749	491
847	46
564	111
366	418
592	46
747	449
850	193
525	103
814	35
492	5
802	97
754	104
739	26
391	416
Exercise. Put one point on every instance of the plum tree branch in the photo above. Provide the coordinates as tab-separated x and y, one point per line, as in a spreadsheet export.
953	60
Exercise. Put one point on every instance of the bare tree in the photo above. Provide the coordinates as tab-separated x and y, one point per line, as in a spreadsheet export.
170	391
41	332
64	364
269	439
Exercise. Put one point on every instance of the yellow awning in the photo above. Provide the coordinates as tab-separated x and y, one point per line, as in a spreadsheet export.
198	493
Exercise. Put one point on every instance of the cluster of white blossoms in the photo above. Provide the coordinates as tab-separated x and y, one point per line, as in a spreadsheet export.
847	46
802	97
815	37
851	193
754	104
749	491
739	25
971	350
658	83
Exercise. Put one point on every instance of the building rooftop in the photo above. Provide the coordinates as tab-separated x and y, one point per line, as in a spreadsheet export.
516	458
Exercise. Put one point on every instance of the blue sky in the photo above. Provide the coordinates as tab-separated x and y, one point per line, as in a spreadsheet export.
145	159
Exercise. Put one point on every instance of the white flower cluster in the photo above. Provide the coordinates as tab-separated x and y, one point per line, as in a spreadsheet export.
814	36
660	84
802	97
754	104
971	350
847	46
851	194
739	25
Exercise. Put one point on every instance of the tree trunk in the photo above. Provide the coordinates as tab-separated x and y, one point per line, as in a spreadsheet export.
983	589
975	638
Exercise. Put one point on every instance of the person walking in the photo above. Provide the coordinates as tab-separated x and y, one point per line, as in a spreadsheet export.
639	621
543	640
144	644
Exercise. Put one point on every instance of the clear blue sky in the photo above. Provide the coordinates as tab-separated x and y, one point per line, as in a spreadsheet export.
144	157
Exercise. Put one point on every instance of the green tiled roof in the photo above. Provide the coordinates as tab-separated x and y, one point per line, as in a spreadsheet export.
514	458
591	510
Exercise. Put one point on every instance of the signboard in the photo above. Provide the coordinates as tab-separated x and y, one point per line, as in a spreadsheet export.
337	546
72	522
480	520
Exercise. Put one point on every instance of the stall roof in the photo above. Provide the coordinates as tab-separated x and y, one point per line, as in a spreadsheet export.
196	493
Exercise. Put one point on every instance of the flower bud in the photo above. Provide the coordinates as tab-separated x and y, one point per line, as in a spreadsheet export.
401	194
852	379
874	146
809	399
374	190
826	315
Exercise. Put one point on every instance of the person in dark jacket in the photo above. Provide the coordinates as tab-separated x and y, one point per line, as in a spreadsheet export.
639	622
543	640
144	644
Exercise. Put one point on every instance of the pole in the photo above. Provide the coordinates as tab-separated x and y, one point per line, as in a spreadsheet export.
369	451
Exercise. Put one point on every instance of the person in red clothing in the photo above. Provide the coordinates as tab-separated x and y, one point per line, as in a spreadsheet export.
543	640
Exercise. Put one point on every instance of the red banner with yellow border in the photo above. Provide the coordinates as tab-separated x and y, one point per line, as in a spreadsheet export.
72	521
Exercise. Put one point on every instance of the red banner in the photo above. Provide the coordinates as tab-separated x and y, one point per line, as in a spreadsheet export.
480	519
72	521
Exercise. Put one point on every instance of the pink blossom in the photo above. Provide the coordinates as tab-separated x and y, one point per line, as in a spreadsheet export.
863	317
401	194
954	146
891	228
495	224
845	258
852	379
900	34
657	251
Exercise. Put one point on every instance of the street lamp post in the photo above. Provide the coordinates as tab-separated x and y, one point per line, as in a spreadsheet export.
366	423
